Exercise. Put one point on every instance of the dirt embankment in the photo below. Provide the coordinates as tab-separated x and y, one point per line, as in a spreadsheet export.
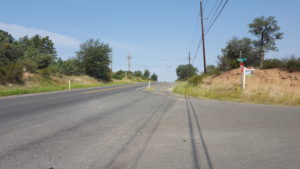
272	82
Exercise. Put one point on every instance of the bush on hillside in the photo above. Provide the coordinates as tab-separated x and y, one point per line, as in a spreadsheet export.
11	73
47	72
291	64
196	79
138	73
273	63
28	64
119	75
212	70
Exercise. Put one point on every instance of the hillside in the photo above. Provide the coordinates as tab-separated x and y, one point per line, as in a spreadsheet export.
275	82
271	86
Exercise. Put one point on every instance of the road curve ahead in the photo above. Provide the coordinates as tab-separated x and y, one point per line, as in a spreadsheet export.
124	126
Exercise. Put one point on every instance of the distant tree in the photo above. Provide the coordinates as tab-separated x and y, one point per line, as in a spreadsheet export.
228	59
38	52
5	37
182	71
267	30
95	57
138	73
119	74
129	73
153	77
146	74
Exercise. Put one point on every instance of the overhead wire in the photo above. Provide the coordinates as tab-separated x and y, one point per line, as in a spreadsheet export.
216	10
212	9
197	50
195	34
216	17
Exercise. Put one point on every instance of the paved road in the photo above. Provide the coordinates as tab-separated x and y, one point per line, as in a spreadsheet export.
120	127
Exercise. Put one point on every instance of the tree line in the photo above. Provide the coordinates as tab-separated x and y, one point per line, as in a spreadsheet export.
266	32
37	54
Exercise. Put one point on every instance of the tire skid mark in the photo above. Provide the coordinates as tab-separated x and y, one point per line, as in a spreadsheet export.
129	151
139	156
192	116
76	126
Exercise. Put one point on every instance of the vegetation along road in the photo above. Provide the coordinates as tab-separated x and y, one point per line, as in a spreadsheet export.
128	126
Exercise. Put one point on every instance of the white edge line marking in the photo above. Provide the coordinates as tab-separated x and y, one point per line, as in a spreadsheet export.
146	86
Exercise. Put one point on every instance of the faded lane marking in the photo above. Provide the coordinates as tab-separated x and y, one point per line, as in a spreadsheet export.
102	90
146	87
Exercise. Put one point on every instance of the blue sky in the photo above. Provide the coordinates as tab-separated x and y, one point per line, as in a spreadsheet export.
157	33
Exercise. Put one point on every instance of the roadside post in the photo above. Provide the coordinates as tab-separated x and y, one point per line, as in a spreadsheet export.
247	72
69	84
242	66
149	84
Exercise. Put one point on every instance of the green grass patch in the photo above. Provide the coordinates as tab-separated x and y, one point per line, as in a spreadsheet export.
211	93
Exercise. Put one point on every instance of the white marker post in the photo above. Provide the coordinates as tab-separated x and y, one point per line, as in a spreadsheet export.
69	84
149	84
244	78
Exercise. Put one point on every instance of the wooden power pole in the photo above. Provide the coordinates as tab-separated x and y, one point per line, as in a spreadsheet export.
111	66
203	38
189	57
129	58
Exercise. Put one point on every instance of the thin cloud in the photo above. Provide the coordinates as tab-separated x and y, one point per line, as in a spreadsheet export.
20	31
60	40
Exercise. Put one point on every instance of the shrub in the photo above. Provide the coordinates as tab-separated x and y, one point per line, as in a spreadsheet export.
293	65
47	72
273	63
71	66
212	70
119	75
43	60
11	73
28	64
137	73
196	79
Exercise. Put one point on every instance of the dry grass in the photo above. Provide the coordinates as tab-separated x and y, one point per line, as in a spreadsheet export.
271	86
36	84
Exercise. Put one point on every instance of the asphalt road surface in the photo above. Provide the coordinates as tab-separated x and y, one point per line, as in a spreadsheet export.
121	127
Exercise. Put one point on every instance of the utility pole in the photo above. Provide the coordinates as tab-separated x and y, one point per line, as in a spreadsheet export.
129	58
111	66
189	57
203	39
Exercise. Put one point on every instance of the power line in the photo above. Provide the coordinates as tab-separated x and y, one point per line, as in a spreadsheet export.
197	50
215	11
195	34
213	8
216	17
198	46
